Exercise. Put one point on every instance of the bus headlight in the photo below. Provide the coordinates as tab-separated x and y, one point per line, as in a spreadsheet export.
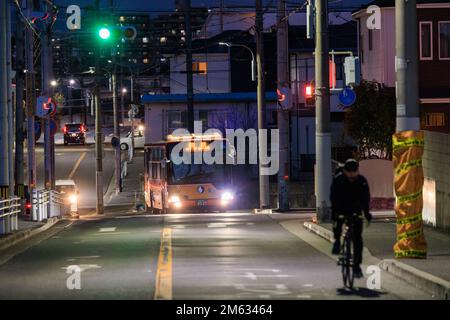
175	200
73	198
226	197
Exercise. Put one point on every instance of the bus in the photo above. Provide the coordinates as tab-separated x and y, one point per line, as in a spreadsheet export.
172	186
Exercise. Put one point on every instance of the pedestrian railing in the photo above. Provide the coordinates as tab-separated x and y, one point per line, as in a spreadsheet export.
9	211
47	204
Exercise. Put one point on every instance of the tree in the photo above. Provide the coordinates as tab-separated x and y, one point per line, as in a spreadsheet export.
371	120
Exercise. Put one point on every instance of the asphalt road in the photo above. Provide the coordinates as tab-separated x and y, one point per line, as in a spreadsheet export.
184	256
77	162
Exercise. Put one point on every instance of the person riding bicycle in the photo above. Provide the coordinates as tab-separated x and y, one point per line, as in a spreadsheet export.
350	198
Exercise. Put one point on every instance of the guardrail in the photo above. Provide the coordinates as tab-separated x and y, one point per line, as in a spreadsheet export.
47	204
9	211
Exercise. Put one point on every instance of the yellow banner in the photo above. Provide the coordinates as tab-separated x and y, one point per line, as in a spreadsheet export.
408	183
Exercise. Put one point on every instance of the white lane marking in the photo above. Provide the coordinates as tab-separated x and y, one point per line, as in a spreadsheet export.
85	267
180	226
308	285
304	296
280	289
259	269
217	225
112	229
110	233
82	257
264	296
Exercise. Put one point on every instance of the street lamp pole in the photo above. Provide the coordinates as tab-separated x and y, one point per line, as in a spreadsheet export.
229	45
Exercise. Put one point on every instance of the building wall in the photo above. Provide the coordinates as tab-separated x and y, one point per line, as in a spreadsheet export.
216	80
436	167
377	63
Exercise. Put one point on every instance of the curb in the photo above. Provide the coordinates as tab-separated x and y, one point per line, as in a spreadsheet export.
25	234
435	286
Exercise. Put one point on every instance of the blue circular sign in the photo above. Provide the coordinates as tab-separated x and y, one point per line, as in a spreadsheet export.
347	97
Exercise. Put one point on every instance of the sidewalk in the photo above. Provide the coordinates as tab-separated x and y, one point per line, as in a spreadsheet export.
431	274
131	185
380	237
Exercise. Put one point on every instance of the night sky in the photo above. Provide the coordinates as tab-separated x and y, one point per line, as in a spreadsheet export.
155	6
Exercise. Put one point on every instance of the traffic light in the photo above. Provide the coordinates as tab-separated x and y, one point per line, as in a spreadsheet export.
122	33
310	99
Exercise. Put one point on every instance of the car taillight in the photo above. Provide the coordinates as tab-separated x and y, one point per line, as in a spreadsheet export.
83	129
28	206
64	129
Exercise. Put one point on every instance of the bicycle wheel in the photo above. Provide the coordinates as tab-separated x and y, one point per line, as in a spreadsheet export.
347	263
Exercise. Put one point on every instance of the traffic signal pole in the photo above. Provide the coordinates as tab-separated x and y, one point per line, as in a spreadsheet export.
189	74
323	127
283	115
98	132
9	97
264	201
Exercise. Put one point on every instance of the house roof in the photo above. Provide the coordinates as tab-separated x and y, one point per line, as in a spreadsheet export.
206	97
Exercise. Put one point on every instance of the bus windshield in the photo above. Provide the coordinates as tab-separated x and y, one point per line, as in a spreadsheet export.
186	173
197	173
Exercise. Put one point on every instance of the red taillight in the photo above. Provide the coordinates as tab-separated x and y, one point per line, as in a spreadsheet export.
308	91
64	129
28	206
83	129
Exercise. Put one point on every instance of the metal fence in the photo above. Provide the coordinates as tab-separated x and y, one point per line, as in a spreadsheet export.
47	204
9	211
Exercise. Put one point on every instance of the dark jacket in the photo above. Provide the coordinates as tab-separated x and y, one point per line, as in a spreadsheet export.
349	197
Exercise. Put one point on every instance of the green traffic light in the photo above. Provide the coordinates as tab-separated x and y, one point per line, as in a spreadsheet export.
104	33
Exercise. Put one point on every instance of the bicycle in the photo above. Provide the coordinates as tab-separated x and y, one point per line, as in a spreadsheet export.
345	259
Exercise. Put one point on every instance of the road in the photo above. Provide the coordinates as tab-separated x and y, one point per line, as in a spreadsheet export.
77	162
184	256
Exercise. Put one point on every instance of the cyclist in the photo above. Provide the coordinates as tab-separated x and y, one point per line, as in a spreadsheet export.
350	197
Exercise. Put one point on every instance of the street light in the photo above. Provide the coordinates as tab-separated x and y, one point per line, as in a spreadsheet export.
124	90
253	63
71	82
53	83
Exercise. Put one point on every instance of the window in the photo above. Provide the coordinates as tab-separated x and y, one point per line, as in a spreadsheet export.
200	67
175	120
370	39
426	40
444	40
434	120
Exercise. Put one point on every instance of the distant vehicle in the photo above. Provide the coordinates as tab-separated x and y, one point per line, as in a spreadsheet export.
139	140
69	192
74	133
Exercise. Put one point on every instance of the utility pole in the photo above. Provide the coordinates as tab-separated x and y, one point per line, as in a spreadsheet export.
47	76
283	115
98	131
30	105
406	65
116	131
189	75
323	126
19	163
9	94
264	202
4	147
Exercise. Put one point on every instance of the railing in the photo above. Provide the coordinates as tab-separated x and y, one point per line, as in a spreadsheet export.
47	204
9	211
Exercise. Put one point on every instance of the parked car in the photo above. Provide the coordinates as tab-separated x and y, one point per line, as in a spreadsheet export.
139	140
74	133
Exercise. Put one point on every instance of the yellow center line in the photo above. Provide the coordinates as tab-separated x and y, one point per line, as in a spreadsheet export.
163	287
77	164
